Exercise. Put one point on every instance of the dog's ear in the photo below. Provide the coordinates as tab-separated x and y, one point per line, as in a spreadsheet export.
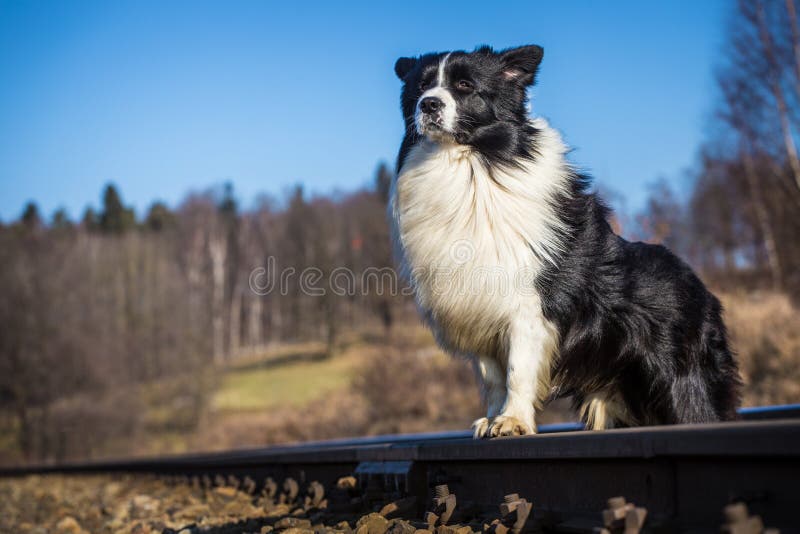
520	64
403	66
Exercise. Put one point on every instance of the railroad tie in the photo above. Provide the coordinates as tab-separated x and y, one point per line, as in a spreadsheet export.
248	485
443	505
621	516
290	490
515	512
739	521
315	498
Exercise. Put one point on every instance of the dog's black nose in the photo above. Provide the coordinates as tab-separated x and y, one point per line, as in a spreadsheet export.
431	104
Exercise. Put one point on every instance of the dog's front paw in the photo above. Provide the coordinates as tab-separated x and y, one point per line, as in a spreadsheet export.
507	425
480	428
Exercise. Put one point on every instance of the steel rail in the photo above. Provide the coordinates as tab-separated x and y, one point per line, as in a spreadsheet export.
683	474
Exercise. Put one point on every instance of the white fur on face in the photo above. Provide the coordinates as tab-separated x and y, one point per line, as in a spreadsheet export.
440	71
464	231
448	113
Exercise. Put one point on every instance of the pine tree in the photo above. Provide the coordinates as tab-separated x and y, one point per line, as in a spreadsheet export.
159	217
89	221
116	218
383	182
30	217
227	206
60	220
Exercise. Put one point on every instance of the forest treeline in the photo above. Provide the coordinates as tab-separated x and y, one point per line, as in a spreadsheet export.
110	302
741	223
95	307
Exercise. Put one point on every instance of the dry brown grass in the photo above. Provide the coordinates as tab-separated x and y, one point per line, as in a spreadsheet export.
405	386
765	332
410	386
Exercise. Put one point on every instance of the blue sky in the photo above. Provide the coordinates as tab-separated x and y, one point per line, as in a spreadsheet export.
166	97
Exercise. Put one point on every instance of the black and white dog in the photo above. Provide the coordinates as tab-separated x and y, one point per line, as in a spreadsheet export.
514	265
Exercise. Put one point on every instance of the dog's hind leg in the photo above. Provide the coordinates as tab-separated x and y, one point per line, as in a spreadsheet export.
691	400
603	409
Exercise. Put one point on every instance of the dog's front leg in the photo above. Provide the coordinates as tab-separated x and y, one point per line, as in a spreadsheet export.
531	345
492	378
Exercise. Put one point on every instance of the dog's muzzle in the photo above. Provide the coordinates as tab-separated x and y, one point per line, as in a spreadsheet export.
436	113
431	105
430	116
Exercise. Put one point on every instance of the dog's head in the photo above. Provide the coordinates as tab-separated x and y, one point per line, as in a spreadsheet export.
475	98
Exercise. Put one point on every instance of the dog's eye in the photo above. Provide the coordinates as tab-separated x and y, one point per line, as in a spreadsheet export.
465	85
425	84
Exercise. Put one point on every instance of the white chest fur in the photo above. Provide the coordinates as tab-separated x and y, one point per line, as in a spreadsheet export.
472	238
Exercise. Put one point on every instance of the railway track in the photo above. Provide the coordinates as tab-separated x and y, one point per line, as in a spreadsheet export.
682	475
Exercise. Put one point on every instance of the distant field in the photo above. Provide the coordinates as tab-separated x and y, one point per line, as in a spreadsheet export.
289	384
295	374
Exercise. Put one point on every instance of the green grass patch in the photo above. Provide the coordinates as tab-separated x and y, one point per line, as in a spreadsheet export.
293	384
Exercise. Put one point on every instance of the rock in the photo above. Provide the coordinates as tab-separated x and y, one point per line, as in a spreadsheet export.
400	526
292	522
111	490
69	525
142	506
372	524
277	511
141	528
453	529
226	492
347	483
192	512
399	508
